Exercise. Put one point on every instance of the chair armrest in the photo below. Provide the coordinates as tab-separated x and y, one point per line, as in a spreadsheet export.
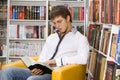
18	63
70	72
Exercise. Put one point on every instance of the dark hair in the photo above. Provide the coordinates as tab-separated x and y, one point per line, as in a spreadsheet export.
60	10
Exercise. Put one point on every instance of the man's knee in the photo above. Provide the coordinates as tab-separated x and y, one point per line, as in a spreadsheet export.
40	77
7	70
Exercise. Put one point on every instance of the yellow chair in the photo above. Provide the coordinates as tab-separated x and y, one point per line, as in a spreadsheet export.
68	72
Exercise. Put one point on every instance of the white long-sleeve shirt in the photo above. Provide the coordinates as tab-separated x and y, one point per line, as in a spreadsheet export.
74	49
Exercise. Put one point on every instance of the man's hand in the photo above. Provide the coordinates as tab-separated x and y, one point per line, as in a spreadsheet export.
36	71
51	63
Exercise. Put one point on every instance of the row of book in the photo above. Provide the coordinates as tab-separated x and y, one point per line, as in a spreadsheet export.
94	33
3	23
3	10
3	13
99	37
105	11
96	66
33	32
101	69
19	48
3	29
27	32
39	12
105	40
77	13
3	49
3	32
28	12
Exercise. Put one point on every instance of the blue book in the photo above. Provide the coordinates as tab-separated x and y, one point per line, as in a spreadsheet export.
117	56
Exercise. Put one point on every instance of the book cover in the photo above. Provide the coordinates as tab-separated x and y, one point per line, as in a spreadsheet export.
117	55
98	67
110	71
91	11
96	10
93	60
31	64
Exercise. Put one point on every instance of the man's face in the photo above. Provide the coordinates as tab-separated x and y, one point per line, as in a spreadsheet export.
61	24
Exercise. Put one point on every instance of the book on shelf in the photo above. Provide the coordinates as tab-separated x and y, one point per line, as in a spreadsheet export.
99	67
28	12
31	64
102	68
110	11
91	10
110	71
117	74
97	36
77	13
96	9
117	56
113	45
93	57
94	33
105	40
102	11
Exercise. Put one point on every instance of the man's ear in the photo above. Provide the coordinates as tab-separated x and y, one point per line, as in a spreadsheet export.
68	18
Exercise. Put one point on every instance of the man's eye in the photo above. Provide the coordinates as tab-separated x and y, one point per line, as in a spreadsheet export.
59	21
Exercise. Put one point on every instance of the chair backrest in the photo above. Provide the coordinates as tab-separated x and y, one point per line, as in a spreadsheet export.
17	63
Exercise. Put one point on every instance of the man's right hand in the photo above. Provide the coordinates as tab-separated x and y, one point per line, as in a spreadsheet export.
36	71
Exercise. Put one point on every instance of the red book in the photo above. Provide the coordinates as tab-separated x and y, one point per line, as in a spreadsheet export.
72	12
10	12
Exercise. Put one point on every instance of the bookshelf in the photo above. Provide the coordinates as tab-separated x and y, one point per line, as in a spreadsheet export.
3	27
29	24
103	36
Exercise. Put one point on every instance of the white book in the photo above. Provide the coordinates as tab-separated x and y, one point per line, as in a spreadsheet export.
31	64
22	32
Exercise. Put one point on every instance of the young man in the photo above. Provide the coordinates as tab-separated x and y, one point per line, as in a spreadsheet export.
66	46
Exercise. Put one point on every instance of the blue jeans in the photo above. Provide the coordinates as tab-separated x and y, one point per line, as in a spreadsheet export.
13	73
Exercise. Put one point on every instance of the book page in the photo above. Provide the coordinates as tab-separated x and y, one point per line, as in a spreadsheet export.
28	61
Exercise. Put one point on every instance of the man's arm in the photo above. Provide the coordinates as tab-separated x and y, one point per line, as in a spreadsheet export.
51	63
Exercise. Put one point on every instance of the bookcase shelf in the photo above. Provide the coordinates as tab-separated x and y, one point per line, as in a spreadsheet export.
26	39
28	2
17	44
70	3
28	22
103	36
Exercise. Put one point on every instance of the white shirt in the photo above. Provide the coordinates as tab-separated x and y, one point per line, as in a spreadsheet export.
74	49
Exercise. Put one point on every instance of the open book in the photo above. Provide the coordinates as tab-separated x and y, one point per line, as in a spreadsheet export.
31	64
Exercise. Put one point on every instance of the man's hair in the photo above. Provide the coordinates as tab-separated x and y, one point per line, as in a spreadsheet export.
60	10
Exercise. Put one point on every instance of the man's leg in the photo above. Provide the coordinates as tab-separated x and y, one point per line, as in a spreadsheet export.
40	77
12	73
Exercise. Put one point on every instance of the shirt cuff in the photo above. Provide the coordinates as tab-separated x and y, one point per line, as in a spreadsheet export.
58	62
